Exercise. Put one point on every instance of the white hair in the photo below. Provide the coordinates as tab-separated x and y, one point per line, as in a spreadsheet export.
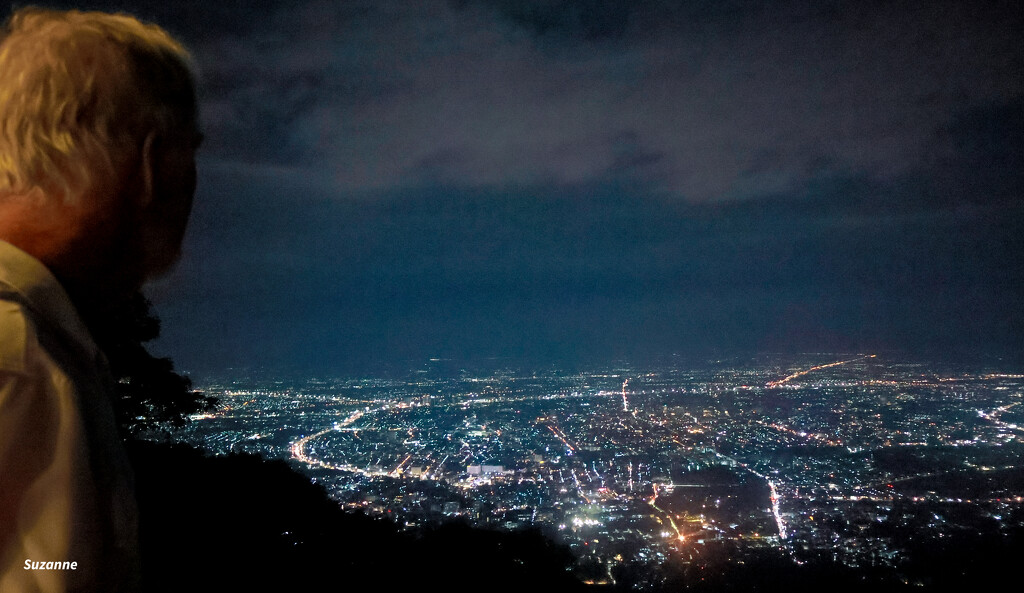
80	92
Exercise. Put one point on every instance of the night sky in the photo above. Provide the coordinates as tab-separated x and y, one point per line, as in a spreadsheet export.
566	181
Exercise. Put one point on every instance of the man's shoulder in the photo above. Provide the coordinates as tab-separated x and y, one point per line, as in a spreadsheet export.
16	332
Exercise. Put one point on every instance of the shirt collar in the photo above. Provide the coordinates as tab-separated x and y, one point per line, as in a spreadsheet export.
43	294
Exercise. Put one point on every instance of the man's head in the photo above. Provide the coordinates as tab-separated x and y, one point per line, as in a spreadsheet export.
98	130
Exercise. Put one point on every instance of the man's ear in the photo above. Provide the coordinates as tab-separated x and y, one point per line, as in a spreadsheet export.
148	172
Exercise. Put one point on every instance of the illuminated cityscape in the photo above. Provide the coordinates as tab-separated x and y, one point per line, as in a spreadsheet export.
667	467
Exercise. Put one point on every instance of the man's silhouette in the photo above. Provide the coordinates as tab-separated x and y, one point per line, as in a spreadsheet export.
98	132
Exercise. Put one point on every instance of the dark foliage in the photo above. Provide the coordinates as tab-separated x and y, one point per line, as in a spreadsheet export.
151	397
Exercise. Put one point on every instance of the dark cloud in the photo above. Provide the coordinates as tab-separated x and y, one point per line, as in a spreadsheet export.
720	102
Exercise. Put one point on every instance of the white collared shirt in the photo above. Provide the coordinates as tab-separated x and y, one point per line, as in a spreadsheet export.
66	491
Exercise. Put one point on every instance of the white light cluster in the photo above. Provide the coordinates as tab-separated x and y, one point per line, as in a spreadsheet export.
578	522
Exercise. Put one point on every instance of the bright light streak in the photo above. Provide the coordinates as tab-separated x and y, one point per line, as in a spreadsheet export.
561	436
816	368
775	510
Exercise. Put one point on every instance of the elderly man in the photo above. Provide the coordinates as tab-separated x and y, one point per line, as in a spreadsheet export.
98	132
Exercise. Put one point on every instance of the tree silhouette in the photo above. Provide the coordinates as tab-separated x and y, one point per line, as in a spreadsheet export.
150	397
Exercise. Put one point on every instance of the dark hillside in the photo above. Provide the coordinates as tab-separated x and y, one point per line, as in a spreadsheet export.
238	522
